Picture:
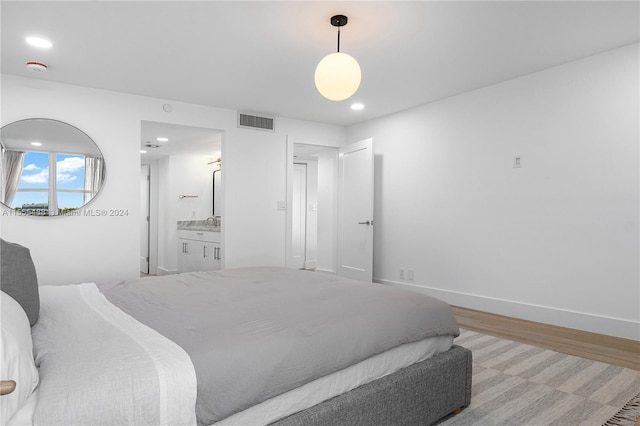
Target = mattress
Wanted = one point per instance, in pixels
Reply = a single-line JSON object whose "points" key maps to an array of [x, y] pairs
{"points": [[255, 334]]}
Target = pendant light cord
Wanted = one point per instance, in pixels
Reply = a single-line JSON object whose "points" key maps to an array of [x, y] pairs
{"points": [[338, 39]]}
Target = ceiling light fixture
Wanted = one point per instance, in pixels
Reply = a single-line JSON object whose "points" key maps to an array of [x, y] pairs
{"points": [[338, 74], [39, 42], [357, 106], [162, 139]]}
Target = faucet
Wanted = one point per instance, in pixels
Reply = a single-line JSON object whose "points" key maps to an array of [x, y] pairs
{"points": [[215, 220]]}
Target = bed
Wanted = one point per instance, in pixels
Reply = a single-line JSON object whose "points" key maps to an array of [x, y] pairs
{"points": [[234, 347]]}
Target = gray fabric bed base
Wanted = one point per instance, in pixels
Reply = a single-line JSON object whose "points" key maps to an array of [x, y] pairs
{"points": [[420, 394]]}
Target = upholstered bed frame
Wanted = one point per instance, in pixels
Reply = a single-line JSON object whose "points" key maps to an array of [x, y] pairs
{"points": [[420, 394]]}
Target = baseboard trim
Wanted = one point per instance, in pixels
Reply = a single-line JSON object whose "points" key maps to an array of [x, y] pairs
{"points": [[616, 327], [164, 271]]}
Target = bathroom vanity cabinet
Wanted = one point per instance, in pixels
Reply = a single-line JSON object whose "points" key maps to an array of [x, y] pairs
{"points": [[199, 251]]}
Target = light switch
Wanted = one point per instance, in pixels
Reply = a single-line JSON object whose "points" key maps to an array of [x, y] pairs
{"points": [[282, 205], [517, 162]]}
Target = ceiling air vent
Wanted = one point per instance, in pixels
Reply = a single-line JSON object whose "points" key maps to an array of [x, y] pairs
{"points": [[251, 121]]}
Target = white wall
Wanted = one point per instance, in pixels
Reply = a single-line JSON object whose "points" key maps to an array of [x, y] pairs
{"points": [[255, 168], [191, 175], [554, 241], [76, 249], [181, 175], [327, 210]]}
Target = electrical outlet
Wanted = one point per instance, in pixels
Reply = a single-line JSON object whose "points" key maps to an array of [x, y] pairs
{"points": [[410, 274], [402, 273]]}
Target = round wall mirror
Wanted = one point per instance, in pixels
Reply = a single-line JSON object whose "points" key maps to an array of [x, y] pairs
{"points": [[48, 168]]}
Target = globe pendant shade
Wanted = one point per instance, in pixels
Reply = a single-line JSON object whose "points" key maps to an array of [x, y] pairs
{"points": [[338, 76]]}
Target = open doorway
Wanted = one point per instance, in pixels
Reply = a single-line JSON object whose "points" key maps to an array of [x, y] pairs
{"points": [[181, 161], [312, 213]]}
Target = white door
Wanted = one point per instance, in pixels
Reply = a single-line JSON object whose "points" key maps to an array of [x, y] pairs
{"points": [[299, 216], [355, 211], [144, 219]]}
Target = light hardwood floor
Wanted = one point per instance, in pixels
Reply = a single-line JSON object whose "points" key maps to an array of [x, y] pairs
{"points": [[612, 350]]}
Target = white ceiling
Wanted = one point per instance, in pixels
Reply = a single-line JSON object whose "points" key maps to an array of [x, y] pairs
{"points": [[261, 56], [182, 140]]}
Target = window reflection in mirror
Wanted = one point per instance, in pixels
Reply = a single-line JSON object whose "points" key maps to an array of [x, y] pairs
{"points": [[48, 167]]}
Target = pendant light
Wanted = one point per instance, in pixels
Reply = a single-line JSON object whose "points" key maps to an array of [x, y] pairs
{"points": [[338, 75]]}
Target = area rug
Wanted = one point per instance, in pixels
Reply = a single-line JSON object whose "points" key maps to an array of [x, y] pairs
{"points": [[518, 384], [628, 415]]}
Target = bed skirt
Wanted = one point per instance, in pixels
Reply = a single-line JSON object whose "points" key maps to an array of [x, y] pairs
{"points": [[420, 394]]}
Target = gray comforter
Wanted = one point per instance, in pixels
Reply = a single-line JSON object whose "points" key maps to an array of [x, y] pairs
{"points": [[254, 333]]}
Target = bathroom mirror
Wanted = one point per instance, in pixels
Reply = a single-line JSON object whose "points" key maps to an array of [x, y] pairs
{"points": [[48, 167]]}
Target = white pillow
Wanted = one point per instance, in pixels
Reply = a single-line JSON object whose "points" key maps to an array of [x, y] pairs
{"points": [[16, 357]]}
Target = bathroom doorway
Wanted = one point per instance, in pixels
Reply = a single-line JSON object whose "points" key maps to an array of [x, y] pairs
{"points": [[181, 161]]}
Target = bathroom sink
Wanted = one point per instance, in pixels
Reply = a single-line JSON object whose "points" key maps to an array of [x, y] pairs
{"points": [[200, 225]]}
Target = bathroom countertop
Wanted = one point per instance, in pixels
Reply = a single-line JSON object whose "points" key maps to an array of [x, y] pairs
{"points": [[199, 225]]}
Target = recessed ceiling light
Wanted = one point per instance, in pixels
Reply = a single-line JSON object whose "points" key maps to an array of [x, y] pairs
{"points": [[357, 106], [142, 151], [39, 42], [162, 139], [36, 144]]}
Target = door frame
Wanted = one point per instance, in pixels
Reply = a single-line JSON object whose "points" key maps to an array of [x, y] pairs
{"points": [[162, 238], [145, 196], [289, 202], [153, 216]]}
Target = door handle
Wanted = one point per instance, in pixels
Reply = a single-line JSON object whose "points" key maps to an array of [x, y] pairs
{"points": [[367, 222]]}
